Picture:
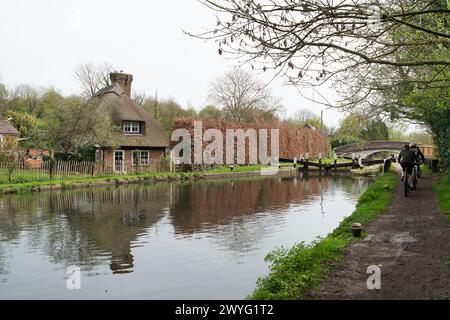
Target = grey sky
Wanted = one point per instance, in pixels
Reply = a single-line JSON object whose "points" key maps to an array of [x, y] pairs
{"points": [[43, 41]]}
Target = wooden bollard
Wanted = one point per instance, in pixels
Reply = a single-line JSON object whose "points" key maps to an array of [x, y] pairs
{"points": [[387, 165], [306, 166]]}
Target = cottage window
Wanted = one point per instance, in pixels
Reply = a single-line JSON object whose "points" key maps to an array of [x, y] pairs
{"points": [[131, 127], [136, 157], [144, 157], [98, 155], [141, 157]]}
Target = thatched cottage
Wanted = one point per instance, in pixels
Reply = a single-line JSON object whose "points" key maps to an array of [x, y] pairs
{"points": [[140, 138]]}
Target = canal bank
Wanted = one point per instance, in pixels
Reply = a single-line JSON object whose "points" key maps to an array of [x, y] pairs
{"points": [[152, 177], [293, 272]]}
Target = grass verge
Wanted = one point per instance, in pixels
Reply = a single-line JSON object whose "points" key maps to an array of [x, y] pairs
{"points": [[236, 168], [295, 271], [442, 190], [67, 183], [70, 181]]}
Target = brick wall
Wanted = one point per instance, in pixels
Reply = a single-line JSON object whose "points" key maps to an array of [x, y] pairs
{"points": [[155, 155]]}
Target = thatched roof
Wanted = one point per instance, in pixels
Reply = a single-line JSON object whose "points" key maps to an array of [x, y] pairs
{"points": [[116, 105], [6, 128]]}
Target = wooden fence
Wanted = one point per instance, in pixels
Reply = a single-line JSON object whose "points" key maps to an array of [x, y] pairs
{"points": [[59, 170], [120, 167]]}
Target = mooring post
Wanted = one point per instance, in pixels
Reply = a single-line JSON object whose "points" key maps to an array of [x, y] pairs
{"points": [[320, 162], [435, 165], [387, 165], [335, 161], [306, 166]]}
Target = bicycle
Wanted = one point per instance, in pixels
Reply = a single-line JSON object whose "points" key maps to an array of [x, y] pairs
{"points": [[414, 177], [406, 183]]}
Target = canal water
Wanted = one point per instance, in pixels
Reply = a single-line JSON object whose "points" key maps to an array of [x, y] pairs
{"points": [[184, 240]]}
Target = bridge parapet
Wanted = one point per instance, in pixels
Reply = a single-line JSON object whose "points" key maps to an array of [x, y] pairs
{"points": [[371, 146], [365, 149]]}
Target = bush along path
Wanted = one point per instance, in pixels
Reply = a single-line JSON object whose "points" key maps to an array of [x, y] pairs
{"points": [[410, 246]]}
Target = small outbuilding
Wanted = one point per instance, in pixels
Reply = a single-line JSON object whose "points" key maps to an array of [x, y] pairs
{"points": [[8, 130]]}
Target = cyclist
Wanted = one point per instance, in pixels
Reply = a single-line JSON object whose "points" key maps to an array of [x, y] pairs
{"points": [[407, 158], [414, 148]]}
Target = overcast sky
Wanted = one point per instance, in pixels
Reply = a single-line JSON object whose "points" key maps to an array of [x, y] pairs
{"points": [[43, 41]]}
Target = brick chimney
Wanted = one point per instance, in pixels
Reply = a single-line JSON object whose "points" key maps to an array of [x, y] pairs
{"points": [[124, 80]]}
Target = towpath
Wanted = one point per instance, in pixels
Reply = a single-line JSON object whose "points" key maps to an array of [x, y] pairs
{"points": [[409, 244]]}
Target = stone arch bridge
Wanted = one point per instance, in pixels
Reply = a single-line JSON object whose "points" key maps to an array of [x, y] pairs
{"points": [[369, 148]]}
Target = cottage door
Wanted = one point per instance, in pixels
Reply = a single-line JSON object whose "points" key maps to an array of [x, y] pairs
{"points": [[119, 161]]}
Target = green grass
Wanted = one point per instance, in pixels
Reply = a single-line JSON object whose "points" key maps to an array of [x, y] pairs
{"points": [[442, 190], [30, 180], [20, 176], [24, 176], [295, 271], [426, 170], [227, 169], [28, 186]]}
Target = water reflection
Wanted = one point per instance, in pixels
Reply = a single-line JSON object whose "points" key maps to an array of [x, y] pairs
{"points": [[98, 227]]}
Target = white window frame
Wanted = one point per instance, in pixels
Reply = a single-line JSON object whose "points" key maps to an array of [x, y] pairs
{"points": [[123, 161], [147, 162], [98, 155], [141, 161], [132, 127]]}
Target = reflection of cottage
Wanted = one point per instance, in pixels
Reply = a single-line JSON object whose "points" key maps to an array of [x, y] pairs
{"points": [[140, 138]]}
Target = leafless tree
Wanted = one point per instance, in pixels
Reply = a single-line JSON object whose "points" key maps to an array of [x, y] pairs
{"points": [[76, 123], [241, 95], [304, 115], [31, 97], [315, 41], [153, 105], [140, 96], [92, 77], [3, 93]]}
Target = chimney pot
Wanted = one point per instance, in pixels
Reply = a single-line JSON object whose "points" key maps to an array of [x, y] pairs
{"points": [[124, 80]]}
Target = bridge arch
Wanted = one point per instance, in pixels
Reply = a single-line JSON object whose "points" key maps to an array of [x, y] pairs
{"points": [[366, 149]]}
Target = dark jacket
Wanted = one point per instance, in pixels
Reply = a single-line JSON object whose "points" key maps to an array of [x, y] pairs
{"points": [[407, 156], [419, 154]]}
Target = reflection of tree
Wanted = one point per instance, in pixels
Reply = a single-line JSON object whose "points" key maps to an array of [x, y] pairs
{"points": [[78, 227], [88, 227], [4, 265], [215, 202], [352, 185], [230, 207]]}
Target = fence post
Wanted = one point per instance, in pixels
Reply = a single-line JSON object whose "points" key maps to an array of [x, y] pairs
{"points": [[51, 164]]}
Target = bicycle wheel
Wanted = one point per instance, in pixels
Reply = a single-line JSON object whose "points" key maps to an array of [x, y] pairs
{"points": [[406, 184]]}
